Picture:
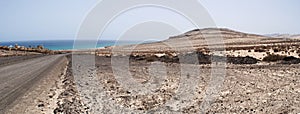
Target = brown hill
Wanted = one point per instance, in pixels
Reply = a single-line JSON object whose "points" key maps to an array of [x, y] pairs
{"points": [[208, 39], [216, 32]]}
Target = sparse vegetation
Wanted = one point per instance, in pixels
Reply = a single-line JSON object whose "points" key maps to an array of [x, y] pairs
{"points": [[242, 60], [273, 58], [276, 50], [259, 50], [38, 49], [196, 58]]}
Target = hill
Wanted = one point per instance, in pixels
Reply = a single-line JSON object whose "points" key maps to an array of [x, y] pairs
{"points": [[211, 39], [292, 36]]}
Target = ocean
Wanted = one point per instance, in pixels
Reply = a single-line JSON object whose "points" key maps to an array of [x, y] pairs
{"points": [[68, 44]]}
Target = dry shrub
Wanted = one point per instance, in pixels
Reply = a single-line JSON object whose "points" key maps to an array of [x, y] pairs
{"points": [[259, 50], [273, 58]]}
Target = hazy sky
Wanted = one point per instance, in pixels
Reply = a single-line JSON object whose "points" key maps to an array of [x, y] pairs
{"points": [[60, 19]]}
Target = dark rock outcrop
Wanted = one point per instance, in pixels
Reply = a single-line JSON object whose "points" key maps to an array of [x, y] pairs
{"points": [[195, 58], [242, 60], [290, 60], [273, 58]]}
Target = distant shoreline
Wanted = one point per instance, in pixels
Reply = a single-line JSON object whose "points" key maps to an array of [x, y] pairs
{"points": [[67, 45]]}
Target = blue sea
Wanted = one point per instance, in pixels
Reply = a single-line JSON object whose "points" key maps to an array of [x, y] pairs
{"points": [[68, 44]]}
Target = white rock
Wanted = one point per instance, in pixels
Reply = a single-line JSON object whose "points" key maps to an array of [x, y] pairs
{"points": [[160, 55]]}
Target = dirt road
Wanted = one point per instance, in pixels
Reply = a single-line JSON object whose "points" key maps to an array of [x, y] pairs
{"points": [[17, 78]]}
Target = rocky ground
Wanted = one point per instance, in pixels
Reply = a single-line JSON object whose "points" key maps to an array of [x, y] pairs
{"points": [[259, 87], [252, 88], [5, 53], [69, 101], [260, 75]]}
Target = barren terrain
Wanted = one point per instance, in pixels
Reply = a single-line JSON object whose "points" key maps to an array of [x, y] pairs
{"points": [[195, 72], [258, 88]]}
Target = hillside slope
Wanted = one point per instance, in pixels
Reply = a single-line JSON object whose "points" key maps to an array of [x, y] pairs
{"points": [[209, 39]]}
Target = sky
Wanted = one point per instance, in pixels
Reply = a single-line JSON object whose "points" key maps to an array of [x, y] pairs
{"points": [[61, 19]]}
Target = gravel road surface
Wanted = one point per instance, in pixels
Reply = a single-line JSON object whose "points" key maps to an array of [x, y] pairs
{"points": [[17, 78]]}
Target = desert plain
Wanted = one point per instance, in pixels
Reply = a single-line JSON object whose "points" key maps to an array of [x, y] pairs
{"points": [[253, 74]]}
